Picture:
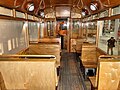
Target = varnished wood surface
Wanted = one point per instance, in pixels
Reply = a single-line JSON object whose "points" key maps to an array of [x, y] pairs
{"points": [[37, 57], [89, 55], [118, 86], [25, 75], [69, 73], [109, 73], [76, 45], [2, 84], [44, 49], [50, 40], [93, 82]]}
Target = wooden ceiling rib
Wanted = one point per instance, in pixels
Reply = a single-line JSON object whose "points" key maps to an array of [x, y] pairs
{"points": [[10, 3], [20, 4]]}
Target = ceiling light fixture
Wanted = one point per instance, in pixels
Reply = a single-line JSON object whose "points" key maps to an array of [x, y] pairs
{"points": [[30, 7], [41, 13], [94, 6], [84, 12]]}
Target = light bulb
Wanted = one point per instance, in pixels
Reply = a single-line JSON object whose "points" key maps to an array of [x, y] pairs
{"points": [[30, 7], [93, 7]]}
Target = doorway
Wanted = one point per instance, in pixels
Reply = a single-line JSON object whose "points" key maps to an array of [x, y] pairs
{"points": [[62, 31]]}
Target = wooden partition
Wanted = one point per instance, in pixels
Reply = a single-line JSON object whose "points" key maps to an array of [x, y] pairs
{"points": [[29, 72]]}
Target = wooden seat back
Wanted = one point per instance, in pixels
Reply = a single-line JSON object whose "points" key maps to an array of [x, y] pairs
{"points": [[28, 72], [90, 54], [49, 40], [76, 45], [44, 49], [108, 73], [79, 43]]}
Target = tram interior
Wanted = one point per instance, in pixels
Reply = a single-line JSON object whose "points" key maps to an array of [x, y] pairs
{"points": [[59, 45]]}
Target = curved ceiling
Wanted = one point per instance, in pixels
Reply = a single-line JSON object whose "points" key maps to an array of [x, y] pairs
{"points": [[20, 5]]}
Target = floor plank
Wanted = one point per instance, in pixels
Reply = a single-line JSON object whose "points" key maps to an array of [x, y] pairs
{"points": [[69, 73]]}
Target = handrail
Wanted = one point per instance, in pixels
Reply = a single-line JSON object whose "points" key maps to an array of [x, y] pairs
{"points": [[109, 57], [28, 56]]}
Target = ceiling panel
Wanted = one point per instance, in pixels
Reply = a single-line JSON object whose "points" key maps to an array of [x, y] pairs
{"points": [[62, 11], [20, 4]]}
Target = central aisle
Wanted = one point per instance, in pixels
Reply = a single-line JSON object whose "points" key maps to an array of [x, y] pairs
{"points": [[69, 73]]}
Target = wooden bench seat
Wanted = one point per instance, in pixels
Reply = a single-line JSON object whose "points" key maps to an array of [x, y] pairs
{"points": [[76, 45], [89, 55], [89, 58], [89, 64], [28, 72], [108, 74], [43, 49], [49, 40]]}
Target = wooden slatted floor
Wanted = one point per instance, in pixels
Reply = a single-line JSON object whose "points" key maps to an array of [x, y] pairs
{"points": [[69, 73]]}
